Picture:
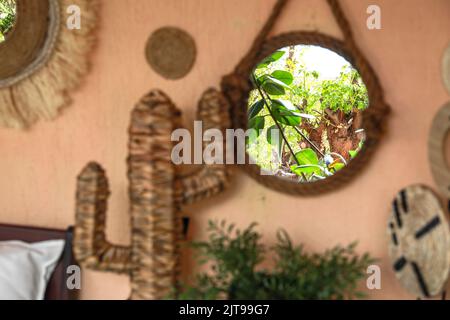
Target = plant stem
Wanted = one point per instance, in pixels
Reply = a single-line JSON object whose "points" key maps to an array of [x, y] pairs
{"points": [[276, 122], [309, 141]]}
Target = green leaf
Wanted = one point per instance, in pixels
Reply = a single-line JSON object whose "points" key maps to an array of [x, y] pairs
{"points": [[353, 153], [337, 166], [282, 112], [255, 109], [272, 134], [286, 117], [307, 169], [284, 104], [286, 108], [273, 88], [307, 157], [283, 76], [272, 58], [277, 55], [257, 123]]}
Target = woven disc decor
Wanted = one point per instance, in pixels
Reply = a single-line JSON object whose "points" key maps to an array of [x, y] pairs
{"points": [[446, 69], [42, 59], [419, 244], [171, 52], [436, 147]]}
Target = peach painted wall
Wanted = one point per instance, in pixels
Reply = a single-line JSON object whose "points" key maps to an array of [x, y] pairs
{"points": [[38, 167]]}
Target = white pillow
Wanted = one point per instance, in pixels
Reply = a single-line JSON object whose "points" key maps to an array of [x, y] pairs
{"points": [[25, 269]]}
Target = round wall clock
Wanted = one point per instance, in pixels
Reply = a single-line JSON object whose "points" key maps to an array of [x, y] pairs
{"points": [[419, 241]]}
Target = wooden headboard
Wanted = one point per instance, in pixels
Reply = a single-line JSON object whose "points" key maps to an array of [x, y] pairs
{"points": [[57, 288]]}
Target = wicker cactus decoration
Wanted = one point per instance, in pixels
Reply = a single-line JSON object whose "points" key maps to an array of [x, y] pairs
{"points": [[157, 192]]}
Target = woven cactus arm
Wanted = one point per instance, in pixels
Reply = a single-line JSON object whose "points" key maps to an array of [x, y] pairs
{"points": [[213, 111], [91, 248]]}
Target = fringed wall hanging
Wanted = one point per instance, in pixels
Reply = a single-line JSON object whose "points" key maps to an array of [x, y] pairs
{"points": [[419, 244], [43, 59], [157, 192], [238, 85]]}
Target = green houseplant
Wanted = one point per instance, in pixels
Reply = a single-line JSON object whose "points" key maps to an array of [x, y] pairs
{"points": [[235, 257]]}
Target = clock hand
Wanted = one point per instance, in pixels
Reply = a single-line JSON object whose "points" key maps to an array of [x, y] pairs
{"points": [[433, 223], [420, 279]]}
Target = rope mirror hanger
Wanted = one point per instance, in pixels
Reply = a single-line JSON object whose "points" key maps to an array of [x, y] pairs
{"points": [[238, 85]]}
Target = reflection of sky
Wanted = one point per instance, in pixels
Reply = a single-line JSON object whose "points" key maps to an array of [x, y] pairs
{"points": [[326, 62]]}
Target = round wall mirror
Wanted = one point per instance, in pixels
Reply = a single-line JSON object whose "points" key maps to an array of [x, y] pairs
{"points": [[28, 39], [313, 111], [305, 113], [7, 18]]}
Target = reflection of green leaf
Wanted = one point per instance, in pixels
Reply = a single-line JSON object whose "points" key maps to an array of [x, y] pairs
{"points": [[353, 153], [255, 109], [286, 104], [257, 123], [306, 157], [286, 117], [308, 169], [286, 108], [273, 87], [272, 134], [337, 166], [283, 76], [275, 138], [284, 112], [272, 58]]}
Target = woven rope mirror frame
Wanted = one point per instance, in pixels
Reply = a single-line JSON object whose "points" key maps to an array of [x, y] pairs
{"points": [[237, 87]]}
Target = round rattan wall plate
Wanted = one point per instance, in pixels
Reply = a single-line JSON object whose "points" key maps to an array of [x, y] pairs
{"points": [[446, 68], [419, 241], [171, 52], [436, 150], [43, 59], [373, 117]]}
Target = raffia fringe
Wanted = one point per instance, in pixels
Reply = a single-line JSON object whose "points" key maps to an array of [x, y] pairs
{"points": [[45, 92]]}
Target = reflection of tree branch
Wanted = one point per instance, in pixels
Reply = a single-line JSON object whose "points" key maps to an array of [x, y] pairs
{"points": [[273, 117], [309, 141]]}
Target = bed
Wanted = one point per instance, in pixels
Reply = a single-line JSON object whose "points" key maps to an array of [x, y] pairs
{"points": [[56, 289]]}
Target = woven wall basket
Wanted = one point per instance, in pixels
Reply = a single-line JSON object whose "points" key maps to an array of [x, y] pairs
{"points": [[237, 87], [42, 59]]}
